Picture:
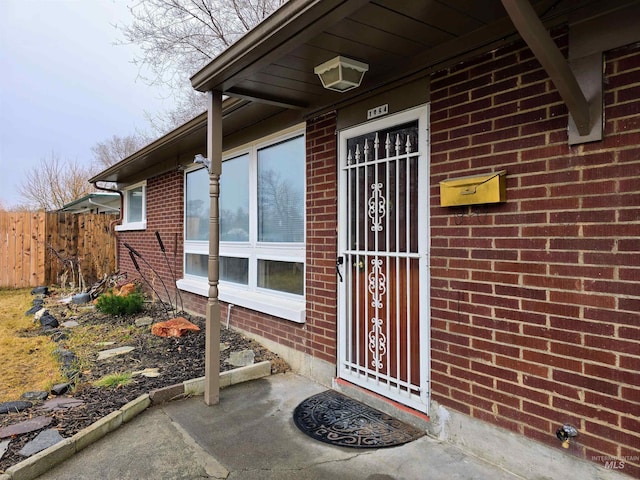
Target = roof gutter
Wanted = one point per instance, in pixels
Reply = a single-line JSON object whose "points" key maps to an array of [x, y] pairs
{"points": [[229, 106], [167, 139], [101, 205], [80, 200], [117, 220]]}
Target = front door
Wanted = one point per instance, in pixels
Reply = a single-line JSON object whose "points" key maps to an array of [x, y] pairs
{"points": [[383, 239]]}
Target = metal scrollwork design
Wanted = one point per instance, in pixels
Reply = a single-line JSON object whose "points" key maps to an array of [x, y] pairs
{"points": [[377, 289], [377, 207]]}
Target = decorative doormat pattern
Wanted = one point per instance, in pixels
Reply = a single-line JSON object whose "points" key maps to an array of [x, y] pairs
{"points": [[339, 420]]}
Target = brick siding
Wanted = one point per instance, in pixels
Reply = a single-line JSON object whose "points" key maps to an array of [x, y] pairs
{"points": [[164, 214], [535, 301]]}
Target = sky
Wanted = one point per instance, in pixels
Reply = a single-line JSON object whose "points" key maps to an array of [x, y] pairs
{"points": [[65, 85]]}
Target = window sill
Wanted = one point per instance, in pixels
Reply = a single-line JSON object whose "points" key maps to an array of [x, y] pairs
{"points": [[292, 310], [125, 227]]}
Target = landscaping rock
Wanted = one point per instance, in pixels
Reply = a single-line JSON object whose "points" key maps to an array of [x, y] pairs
{"points": [[66, 357], [35, 395], [36, 306], [44, 439], [16, 406], [49, 321], [175, 327], [39, 313], [69, 324], [143, 321], [60, 388], [31, 425], [125, 290], [4, 445], [40, 291], [71, 373], [81, 298], [147, 372], [61, 403], [242, 359], [58, 336], [32, 310], [69, 363], [103, 355]]}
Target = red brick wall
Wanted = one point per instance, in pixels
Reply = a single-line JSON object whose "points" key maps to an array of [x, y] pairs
{"points": [[165, 215], [322, 241], [535, 302]]}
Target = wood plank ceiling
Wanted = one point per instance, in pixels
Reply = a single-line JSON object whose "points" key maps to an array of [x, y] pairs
{"points": [[395, 38]]}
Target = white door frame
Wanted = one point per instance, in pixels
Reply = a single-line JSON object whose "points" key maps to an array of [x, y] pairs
{"points": [[419, 402]]}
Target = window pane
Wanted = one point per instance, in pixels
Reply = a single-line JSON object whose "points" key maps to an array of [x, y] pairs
{"points": [[234, 200], [281, 192], [234, 270], [134, 205], [283, 276], [197, 265], [197, 205]]}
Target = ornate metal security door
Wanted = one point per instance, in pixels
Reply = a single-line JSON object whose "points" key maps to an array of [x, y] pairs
{"points": [[383, 344]]}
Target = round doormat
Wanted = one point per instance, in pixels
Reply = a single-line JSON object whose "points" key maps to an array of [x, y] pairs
{"points": [[339, 420]]}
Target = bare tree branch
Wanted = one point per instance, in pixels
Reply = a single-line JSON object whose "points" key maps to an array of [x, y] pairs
{"points": [[54, 182], [178, 37], [114, 149]]}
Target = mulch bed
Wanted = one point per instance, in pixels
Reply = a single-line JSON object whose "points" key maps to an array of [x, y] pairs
{"points": [[178, 359]]}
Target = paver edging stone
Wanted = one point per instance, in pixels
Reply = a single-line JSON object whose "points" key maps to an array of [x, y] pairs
{"points": [[43, 461], [97, 430]]}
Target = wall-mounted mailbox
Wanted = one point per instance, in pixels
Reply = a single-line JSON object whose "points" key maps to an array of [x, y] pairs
{"points": [[474, 189]]}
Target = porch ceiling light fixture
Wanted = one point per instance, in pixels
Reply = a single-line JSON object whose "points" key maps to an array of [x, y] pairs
{"points": [[341, 73]]}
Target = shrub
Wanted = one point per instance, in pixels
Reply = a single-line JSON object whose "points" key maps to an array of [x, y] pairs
{"points": [[120, 305]]}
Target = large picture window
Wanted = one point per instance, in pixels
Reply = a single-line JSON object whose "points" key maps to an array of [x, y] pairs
{"points": [[262, 249]]}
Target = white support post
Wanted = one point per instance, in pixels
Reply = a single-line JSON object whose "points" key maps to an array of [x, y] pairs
{"points": [[212, 347]]}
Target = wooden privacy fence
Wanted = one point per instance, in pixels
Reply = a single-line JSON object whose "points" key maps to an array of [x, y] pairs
{"points": [[68, 249]]}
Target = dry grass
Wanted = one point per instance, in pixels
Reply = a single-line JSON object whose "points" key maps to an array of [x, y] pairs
{"points": [[87, 340], [27, 361]]}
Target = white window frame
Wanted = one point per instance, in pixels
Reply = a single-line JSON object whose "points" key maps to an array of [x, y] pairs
{"points": [[279, 304], [126, 225], [195, 247]]}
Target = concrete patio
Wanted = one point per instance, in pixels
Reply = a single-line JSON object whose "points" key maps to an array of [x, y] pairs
{"points": [[251, 435]]}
